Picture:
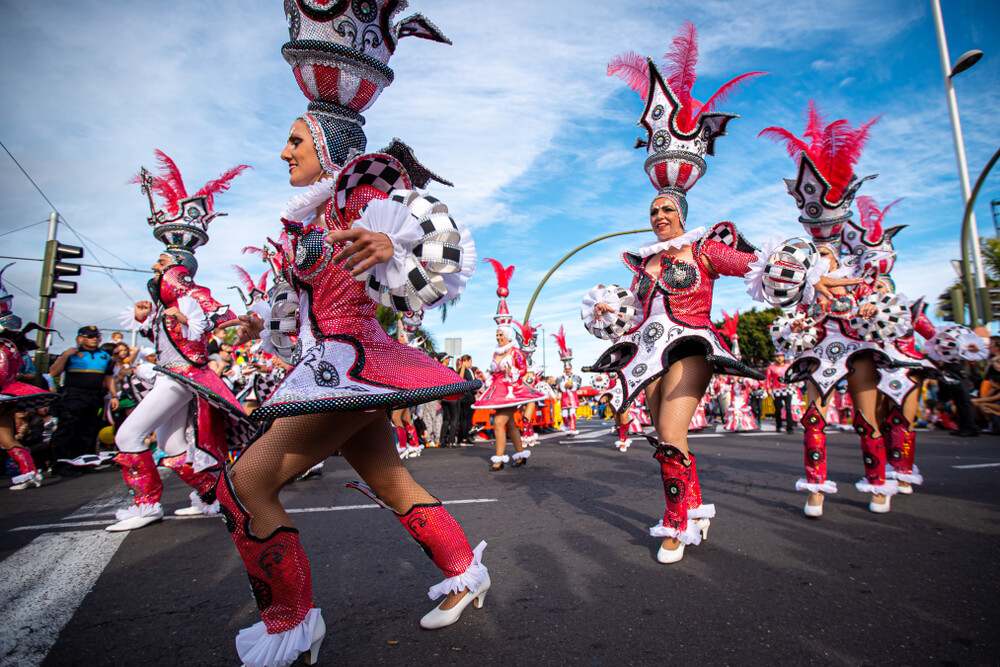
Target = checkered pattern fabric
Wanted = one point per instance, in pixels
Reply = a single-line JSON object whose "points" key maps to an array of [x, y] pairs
{"points": [[381, 172], [786, 272], [613, 325], [891, 321]]}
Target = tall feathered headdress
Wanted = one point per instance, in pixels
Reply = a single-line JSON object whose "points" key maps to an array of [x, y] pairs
{"points": [[527, 338], [826, 183], [503, 317], [680, 130], [870, 242], [565, 354], [182, 225], [249, 290]]}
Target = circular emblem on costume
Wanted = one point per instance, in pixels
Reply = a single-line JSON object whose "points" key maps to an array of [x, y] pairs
{"points": [[292, 14], [657, 112], [677, 277], [871, 461], [896, 454], [835, 350], [227, 517], [653, 332], [895, 385], [674, 490], [366, 10], [814, 455], [809, 188], [851, 236], [813, 210], [326, 374], [829, 372], [811, 418], [639, 370], [261, 592], [661, 140]]}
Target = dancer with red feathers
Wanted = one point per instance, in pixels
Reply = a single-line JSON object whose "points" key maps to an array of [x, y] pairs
{"points": [[507, 390], [666, 346], [568, 384], [527, 337], [179, 321]]}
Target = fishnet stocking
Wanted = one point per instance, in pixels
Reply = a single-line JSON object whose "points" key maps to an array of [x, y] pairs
{"points": [[294, 444], [673, 398], [504, 425], [863, 386]]}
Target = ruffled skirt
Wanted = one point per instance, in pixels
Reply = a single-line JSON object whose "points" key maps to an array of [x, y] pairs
{"points": [[504, 395], [24, 397]]}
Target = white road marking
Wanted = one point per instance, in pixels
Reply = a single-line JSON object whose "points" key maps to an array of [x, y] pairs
{"points": [[571, 439], [296, 510], [43, 584], [103, 505], [978, 465], [704, 435]]}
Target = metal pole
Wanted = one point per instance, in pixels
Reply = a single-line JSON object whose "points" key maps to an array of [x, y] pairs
{"points": [[967, 224], [531, 304], [44, 301], [956, 131]]}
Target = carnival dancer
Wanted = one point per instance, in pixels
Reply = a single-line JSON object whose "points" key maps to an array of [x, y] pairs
{"points": [[698, 419], [780, 392], [527, 337], [567, 384], [667, 346], [179, 321], [739, 416], [358, 236], [507, 391], [17, 396], [845, 336]]}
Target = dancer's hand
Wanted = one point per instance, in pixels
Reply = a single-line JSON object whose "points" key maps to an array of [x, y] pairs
{"points": [[176, 313], [249, 329], [826, 285], [797, 325], [365, 249], [142, 310], [599, 309], [868, 310]]}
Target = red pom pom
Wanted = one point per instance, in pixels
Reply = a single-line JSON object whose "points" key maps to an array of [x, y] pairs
{"points": [[360, 196], [503, 292]]}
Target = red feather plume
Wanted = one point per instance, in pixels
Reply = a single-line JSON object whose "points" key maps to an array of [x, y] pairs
{"points": [[730, 323], [526, 330], [561, 340], [220, 184], [262, 282], [244, 278], [633, 69], [503, 275], [833, 147], [872, 217], [170, 186], [255, 251]]}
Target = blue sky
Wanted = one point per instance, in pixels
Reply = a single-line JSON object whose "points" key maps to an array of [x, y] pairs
{"points": [[519, 113]]}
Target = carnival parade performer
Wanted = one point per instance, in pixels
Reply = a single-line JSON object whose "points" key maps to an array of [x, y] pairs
{"points": [[359, 235], [179, 321], [780, 392], [667, 346], [527, 337], [850, 333], [739, 417], [17, 396], [567, 384], [507, 390]]}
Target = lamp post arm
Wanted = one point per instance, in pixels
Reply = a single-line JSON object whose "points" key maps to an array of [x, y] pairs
{"points": [[531, 304], [966, 229]]}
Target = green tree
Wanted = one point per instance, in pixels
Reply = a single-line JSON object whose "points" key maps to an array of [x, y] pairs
{"points": [[989, 249], [754, 329]]}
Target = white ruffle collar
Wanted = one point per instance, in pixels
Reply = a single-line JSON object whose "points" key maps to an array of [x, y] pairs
{"points": [[502, 349], [677, 242], [302, 207]]}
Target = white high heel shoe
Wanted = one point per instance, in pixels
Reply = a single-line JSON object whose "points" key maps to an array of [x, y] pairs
{"points": [[702, 525], [319, 633], [439, 618], [880, 508], [670, 555]]}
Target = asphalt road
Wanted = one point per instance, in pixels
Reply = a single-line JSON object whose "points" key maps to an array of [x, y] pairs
{"points": [[575, 580]]}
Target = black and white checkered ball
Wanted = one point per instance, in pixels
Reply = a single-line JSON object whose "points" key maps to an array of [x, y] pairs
{"points": [[789, 342], [787, 270], [890, 322], [611, 325]]}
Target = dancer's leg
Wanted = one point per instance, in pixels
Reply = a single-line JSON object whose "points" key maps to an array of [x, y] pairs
{"points": [[27, 474], [863, 387]]}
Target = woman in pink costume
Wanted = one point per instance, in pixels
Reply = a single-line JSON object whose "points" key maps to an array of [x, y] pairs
{"points": [[507, 389], [739, 417], [17, 396], [359, 235]]}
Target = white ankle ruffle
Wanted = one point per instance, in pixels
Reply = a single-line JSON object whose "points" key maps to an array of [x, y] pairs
{"points": [[690, 535], [909, 477], [20, 479], [523, 454], [500, 459], [257, 648], [470, 580], [702, 512], [826, 486], [142, 509], [207, 510], [887, 488]]}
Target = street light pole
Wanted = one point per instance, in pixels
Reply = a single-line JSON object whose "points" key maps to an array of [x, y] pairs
{"points": [[956, 130]]}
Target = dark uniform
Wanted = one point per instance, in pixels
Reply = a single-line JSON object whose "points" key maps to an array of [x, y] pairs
{"points": [[82, 398]]}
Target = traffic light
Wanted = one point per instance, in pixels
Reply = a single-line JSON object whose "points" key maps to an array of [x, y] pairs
{"points": [[53, 269], [953, 305], [992, 305]]}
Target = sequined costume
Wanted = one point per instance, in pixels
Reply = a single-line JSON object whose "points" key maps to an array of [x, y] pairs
{"points": [[507, 389], [738, 416]]}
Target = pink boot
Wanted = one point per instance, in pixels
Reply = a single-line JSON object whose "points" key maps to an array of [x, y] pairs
{"points": [[144, 483], [26, 467]]}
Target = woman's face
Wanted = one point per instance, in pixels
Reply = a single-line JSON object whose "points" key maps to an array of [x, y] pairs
{"points": [[501, 338], [300, 153], [665, 219], [825, 251], [121, 351]]}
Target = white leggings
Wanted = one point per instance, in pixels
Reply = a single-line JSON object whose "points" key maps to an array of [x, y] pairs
{"points": [[165, 410]]}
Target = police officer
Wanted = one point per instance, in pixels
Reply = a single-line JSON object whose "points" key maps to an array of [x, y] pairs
{"points": [[89, 372]]}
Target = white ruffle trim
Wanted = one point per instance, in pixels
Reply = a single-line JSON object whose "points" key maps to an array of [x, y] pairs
{"points": [[754, 277], [302, 207], [128, 322], [500, 459], [690, 535], [262, 309], [684, 239], [433, 254], [20, 479], [470, 580], [142, 509], [827, 486], [888, 488], [956, 344], [702, 512], [909, 477], [523, 454], [197, 324], [257, 648], [207, 510], [144, 371], [625, 311], [816, 272]]}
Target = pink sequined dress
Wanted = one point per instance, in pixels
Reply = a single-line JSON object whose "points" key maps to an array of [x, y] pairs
{"points": [[675, 315], [508, 388], [344, 360], [14, 394], [739, 416]]}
